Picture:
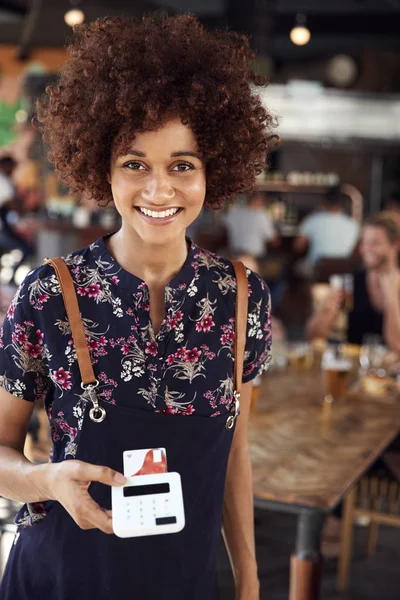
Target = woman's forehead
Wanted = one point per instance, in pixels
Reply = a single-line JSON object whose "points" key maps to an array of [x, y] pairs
{"points": [[172, 136]]}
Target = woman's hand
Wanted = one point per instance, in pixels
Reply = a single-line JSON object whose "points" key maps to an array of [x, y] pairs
{"points": [[331, 307], [68, 483]]}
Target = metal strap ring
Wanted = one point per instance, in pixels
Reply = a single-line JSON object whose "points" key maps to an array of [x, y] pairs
{"points": [[97, 414], [230, 422]]}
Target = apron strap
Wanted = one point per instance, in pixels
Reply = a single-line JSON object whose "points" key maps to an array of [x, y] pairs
{"points": [[242, 296], [79, 336], [75, 319]]}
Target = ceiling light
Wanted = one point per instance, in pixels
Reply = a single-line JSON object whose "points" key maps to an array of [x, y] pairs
{"points": [[300, 34], [74, 17]]}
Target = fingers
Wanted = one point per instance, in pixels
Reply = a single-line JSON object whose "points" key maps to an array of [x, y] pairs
{"points": [[87, 472], [90, 515]]}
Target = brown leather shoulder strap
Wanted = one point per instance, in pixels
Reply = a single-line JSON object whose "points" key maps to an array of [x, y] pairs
{"points": [[242, 299], [74, 317]]}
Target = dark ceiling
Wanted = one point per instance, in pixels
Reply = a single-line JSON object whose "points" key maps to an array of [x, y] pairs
{"points": [[339, 26]]}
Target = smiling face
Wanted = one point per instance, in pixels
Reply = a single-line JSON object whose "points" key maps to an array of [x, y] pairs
{"points": [[159, 184], [376, 249]]}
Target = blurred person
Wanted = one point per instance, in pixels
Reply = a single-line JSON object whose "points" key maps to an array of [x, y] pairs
{"points": [[328, 233], [10, 239], [376, 298], [151, 131], [249, 227]]}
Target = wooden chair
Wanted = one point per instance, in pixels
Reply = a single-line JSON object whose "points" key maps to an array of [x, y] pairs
{"points": [[375, 499]]}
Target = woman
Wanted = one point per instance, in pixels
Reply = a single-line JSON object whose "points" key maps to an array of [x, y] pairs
{"points": [[159, 116], [376, 303]]}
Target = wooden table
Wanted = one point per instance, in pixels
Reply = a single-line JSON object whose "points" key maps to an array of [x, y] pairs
{"points": [[305, 458]]}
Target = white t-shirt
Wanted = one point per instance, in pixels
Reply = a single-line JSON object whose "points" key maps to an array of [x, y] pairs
{"points": [[331, 235], [248, 230], [6, 189]]}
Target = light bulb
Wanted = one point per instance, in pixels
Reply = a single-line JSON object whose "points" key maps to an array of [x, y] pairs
{"points": [[74, 17], [21, 116], [300, 35]]}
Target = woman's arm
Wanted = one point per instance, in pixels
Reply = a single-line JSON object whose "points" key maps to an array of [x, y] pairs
{"points": [[238, 513], [67, 482]]}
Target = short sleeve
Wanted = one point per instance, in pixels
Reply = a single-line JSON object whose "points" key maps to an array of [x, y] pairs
{"points": [[268, 228], [258, 344], [23, 366]]}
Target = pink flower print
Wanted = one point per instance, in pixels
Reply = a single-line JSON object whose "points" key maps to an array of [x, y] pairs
{"points": [[11, 311], [172, 322], [21, 338], [93, 344], [205, 325], [81, 291], [125, 349], [192, 355], [63, 377], [224, 339], [180, 353], [170, 359], [39, 336], [151, 348], [42, 298], [231, 336], [93, 290], [102, 341], [211, 355], [179, 315], [33, 350], [115, 279], [189, 410]]}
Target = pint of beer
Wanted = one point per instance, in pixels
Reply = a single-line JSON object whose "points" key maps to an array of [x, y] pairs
{"points": [[348, 287], [336, 373], [336, 382], [300, 355]]}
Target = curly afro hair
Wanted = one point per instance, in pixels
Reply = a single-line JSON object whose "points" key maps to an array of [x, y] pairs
{"points": [[125, 76]]}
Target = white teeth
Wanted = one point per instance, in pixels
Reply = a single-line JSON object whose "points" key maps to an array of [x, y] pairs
{"points": [[159, 215]]}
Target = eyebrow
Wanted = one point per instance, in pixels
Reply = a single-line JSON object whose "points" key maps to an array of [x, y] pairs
{"points": [[173, 154]]}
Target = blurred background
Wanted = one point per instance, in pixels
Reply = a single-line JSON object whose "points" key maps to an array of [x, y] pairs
{"points": [[334, 85]]}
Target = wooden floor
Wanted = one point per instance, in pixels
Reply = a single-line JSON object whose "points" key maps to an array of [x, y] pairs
{"points": [[376, 578]]}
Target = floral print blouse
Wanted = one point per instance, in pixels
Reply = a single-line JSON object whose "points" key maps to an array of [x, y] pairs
{"points": [[187, 368]]}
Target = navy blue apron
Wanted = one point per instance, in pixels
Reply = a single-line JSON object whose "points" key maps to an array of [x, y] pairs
{"points": [[56, 560]]}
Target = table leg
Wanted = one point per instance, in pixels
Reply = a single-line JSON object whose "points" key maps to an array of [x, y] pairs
{"points": [[305, 564]]}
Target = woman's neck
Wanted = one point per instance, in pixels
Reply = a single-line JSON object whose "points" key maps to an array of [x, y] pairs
{"points": [[156, 264]]}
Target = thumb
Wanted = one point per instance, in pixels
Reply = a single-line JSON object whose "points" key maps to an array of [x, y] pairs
{"points": [[101, 474]]}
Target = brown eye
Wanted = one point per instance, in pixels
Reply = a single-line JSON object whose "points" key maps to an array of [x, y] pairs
{"points": [[133, 165], [183, 167]]}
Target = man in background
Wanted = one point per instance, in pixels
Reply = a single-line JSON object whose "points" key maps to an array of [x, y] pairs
{"points": [[328, 233], [9, 238], [249, 228]]}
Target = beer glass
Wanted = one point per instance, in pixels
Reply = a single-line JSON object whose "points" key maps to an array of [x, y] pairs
{"points": [[337, 370]]}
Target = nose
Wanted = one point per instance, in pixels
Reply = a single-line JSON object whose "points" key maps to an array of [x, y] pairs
{"points": [[158, 188]]}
